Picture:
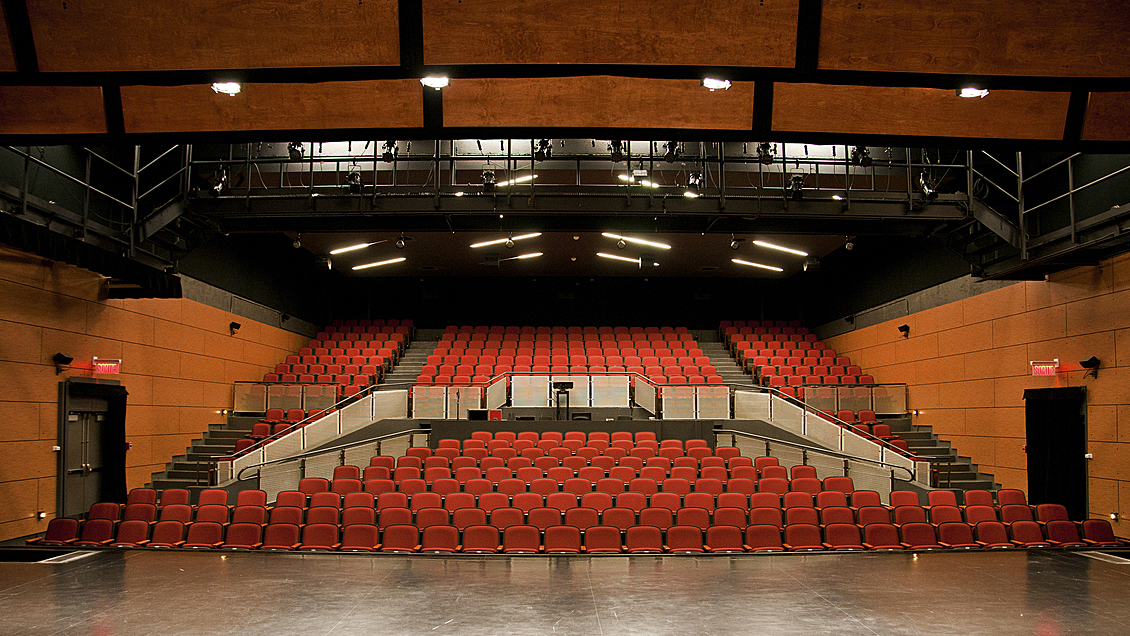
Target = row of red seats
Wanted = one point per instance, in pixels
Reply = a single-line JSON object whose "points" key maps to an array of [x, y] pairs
{"points": [[746, 353], [661, 380], [472, 360], [342, 380], [389, 350], [376, 370], [496, 329], [367, 334]]}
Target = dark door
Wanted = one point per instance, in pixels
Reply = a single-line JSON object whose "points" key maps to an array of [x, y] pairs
{"points": [[1057, 445], [82, 455]]}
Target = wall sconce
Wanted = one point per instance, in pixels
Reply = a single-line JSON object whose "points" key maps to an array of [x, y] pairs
{"points": [[904, 330], [1092, 365], [61, 361], [234, 326]]}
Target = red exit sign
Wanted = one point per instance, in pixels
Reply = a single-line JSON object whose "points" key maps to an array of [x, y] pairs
{"points": [[107, 365], [1045, 368]]}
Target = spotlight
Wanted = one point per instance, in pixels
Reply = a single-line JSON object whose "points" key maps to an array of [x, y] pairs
{"points": [[673, 153], [849, 246], [353, 180], [621, 244], [295, 150], [234, 327], [695, 184], [1092, 364], [904, 330], [509, 243], [929, 189], [765, 153], [735, 243], [488, 181], [616, 150], [61, 360], [221, 182], [861, 156], [400, 243], [388, 151], [796, 187], [543, 151], [297, 241]]}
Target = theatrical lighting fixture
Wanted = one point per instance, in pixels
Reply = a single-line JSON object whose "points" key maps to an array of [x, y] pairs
{"points": [[796, 187], [735, 243], [504, 240], [694, 185], [352, 248], [779, 248], [749, 264], [631, 178], [227, 88], [904, 330], [672, 153], [636, 241], [1092, 366], [61, 360], [971, 91], [861, 156], [295, 150], [379, 263], [765, 153], [488, 181], [353, 180], [297, 241], [811, 264], [400, 242], [614, 257], [522, 179], [716, 84], [848, 245], [616, 150], [929, 190], [234, 327], [388, 151], [543, 150], [521, 257], [435, 82], [320, 263], [221, 182]]}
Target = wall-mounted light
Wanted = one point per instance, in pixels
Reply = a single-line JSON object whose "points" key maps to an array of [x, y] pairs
{"points": [[972, 91], [435, 82], [904, 330], [227, 88], [234, 327], [61, 361], [715, 84], [1092, 365]]}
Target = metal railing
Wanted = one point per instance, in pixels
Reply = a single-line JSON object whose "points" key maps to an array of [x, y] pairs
{"points": [[814, 449], [341, 448]]}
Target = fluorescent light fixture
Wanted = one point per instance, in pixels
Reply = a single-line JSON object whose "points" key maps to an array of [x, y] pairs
{"points": [[525, 256], [662, 246], [747, 263], [227, 88], [779, 248], [351, 248], [644, 182], [690, 195], [503, 240], [619, 258], [379, 263], [716, 84], [529, 177], [435, 82], [971, 91]]}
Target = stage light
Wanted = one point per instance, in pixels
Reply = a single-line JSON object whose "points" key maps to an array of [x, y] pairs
{"points": [[351, 248], [221, 182], [971, 91], [227, 88], [488, 181], [295, 150], [672, 153], [779, 248], [380, 263], [765, 153], [435, 82], [614, 257], [929, 189], [735, 243], [297, 241], [388, 151], [616, 150], [504, 240], [716, 84], [400, 242], [749, 264], [636, 241], [861, 156], [796, 187], [543, 150], [695, 183], [353, 180]]}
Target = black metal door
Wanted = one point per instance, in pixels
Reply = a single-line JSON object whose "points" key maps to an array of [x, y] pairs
{"points": [[1057, 445]]}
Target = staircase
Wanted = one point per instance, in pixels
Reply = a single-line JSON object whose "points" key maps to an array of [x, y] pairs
{"points": [[951, 471], [727, 366], [412, 363], [191, 470]]}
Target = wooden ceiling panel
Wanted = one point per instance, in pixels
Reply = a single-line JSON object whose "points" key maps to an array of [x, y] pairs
{"points": [[325, 106], [51, 110], [7, 53], [718, 32], [596, 102], [142, 35], [1071, 38], [1108, 117], [927, 112]]}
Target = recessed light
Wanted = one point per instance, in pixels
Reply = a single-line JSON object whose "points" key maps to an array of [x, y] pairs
{"points": [[637, 241], [379, 263], [749, 264], [780, 248], [503, 240]]}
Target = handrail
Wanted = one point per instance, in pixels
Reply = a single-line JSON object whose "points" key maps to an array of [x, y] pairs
{"points": [[816, 449], [413, 431]]}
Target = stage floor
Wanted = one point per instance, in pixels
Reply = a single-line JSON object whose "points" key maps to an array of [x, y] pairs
{"points": [[175, 593]]}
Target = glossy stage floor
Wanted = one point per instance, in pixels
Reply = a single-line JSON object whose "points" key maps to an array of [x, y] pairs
{"points": [[174, 593]]}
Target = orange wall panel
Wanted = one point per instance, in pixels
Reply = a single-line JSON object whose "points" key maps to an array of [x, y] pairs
{"points": [[7, 53], [51, 110], [1108, 117]]}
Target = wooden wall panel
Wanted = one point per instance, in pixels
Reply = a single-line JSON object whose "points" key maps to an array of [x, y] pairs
{"points": [[51, 110], [930, 112], [7, 53], [719, 32], [1076, 38], [325, 106], [141, 35], [596, 102], [1108, 117]]}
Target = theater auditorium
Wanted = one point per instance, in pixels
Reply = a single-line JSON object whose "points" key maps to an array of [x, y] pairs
{"points": [[512, 317]]}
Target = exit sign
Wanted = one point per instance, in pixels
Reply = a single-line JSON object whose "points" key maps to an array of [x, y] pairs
{"points": [[1045, 368], [107, 365]]}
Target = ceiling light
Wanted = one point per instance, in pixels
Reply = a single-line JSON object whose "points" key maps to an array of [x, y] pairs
{"points": [[716, 84], [400, 242], [523, 179], [735, 243], [837, 197], [765, 153], [616, 150], [503, 240], [435, 82], [379, 263], [636, 241], [488, 181], [747, 263], [971, 91], [543, 150], [294, 149], [861, 156], [673, 153], [779, 248], [521, 257], [620, 258], [352, 248], [297, 241], [796, 187], [694, 185], [388, 151], [227, 88]]}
